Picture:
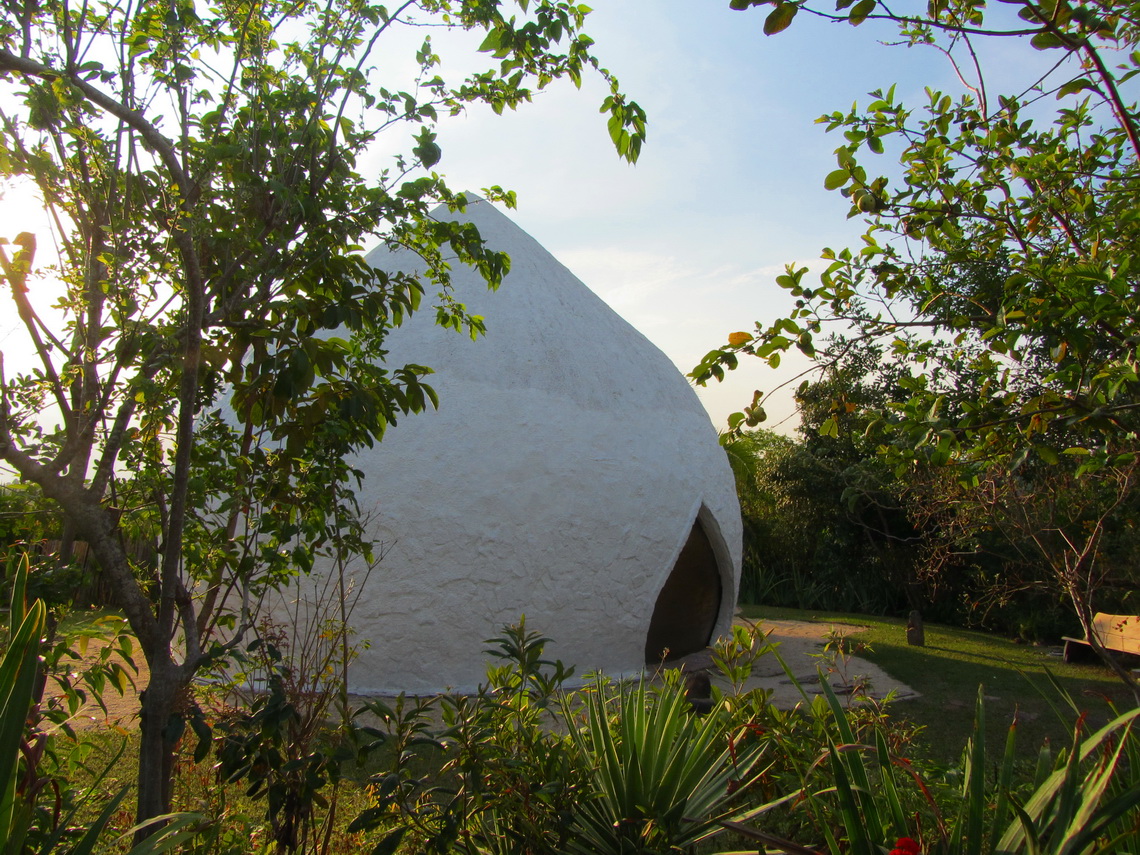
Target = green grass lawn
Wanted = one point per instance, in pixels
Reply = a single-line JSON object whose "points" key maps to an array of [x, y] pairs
{"points": [[954, 662]]}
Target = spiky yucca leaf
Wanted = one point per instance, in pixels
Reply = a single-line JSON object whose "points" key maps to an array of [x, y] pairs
{"points": [[661, 776], [1067, 811]]}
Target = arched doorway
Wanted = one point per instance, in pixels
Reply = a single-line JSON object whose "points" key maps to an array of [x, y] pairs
{"points": [[687, 608]]}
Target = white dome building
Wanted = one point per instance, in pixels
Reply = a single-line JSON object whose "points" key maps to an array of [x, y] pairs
{"points": [[570, 474]]}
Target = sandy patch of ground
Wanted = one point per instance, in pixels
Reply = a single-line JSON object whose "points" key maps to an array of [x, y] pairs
{"points": [[122, 709], [799, 644]]}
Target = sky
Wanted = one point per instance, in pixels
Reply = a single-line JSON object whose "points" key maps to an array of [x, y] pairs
{"points": [[687, 243]]}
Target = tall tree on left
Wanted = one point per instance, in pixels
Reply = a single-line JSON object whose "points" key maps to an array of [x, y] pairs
{"points": [[200, 164]]}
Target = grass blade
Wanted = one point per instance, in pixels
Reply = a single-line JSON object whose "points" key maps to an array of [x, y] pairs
{"points": [[1005, 782], [974, 803]]}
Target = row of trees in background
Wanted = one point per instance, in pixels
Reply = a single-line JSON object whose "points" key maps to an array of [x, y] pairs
{"points": [[997, 286], [830, 524]]}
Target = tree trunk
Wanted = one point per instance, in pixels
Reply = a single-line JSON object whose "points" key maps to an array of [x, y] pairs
{"points": [[160, 729], [168, 680]]}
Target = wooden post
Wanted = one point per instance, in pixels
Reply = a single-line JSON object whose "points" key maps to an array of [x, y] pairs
{"points": [[698, 691], [915, 636]]}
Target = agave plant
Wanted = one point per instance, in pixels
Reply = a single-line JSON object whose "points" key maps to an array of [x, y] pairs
{"points": [[865, 787], [663, 779]]}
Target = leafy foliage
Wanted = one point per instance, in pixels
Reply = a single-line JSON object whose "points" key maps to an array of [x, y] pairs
{"points": [[18, 671], [996, 273], [39, 812], [1080, 801], [508, 782], [526, 766], [1001, 248], [216, 340], [865, 794], [825, 521]]}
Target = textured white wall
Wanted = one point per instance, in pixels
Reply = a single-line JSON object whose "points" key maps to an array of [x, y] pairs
{"points": [[559, 478]]}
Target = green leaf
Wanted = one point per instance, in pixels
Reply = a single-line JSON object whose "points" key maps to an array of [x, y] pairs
{"points": [[427, 151], [756, 415], [836, 179], [390, 842], [780, 18], [1046, 41], [176, 829], [1079, 85], [491, 42], [861, 11], [18, 670]]}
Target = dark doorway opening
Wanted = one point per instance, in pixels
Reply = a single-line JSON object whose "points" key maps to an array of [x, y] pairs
{"points": [[687, 607]]}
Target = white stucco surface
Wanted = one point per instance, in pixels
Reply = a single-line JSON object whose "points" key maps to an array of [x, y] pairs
{"points": [[559, 479]]}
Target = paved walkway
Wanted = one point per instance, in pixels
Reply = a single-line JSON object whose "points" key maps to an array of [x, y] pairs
{"points": [[801, 644]]}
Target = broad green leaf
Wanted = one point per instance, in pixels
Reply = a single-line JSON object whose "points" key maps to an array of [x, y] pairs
{"points": [[861, 10], [780, 18], [836, 179], [1046, 41], [1078, 85]]}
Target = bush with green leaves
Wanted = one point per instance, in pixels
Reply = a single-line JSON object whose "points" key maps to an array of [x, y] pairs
{"points": [[487, 772], [830, 525], [825, 523], [281, 749], [527, 766]]}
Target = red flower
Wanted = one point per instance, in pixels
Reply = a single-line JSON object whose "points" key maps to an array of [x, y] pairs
{"points": [[905, 846]]}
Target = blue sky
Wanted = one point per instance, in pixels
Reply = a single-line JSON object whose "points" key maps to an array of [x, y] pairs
{"points": [[686, 245]]}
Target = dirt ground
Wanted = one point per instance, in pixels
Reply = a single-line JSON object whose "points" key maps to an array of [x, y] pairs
{"points": [[800, 644], [122, 710]]}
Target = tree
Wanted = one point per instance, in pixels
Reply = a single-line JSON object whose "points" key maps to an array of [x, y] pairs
{"points": [[825, 524], [1071, 538], [998, 263], [985, 188], [201, 166]]}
